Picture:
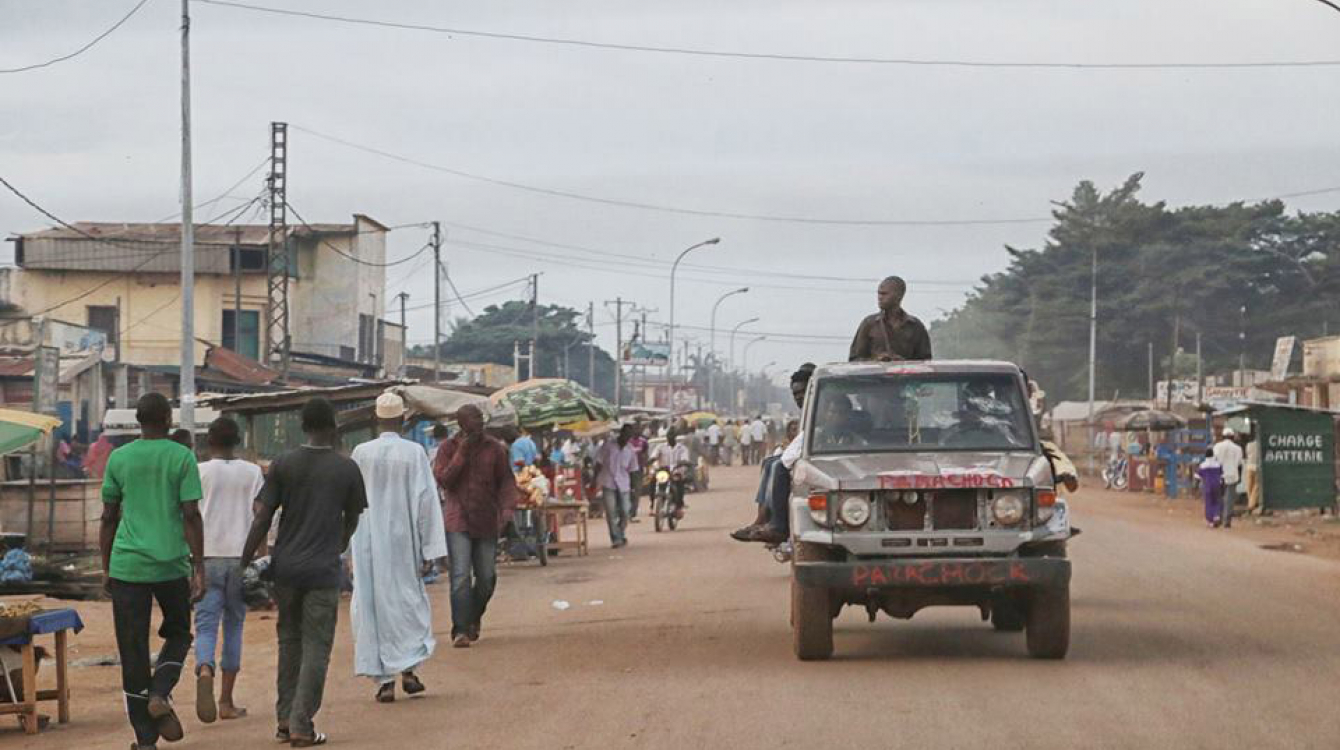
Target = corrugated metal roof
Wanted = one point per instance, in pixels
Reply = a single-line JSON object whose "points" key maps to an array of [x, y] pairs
{"points": [[251, 234], [239, 368]]}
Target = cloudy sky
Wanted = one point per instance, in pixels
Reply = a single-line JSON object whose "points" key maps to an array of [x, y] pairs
{"points": [[96, 138]]}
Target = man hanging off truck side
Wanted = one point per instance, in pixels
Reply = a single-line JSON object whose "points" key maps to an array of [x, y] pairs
{"points": [[891, 334]]}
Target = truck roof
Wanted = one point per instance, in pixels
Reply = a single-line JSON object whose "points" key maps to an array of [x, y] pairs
{"points": [[934, 367]]}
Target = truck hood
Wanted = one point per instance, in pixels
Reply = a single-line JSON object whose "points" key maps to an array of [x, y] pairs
{"points": [[873, 471]]}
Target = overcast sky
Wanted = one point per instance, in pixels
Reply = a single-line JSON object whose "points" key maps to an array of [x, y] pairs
{"points": [[96, 138]]}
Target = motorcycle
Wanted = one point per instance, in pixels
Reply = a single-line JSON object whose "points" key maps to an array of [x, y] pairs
{"points": [[667, 503], [1115, 474]]}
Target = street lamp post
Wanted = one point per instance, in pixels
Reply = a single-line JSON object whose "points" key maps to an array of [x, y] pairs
{"points": [[712, 344], [731, 361], [670, 336], [745, 360]]}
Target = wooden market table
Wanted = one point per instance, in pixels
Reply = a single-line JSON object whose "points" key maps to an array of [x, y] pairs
{"points": [[559, 513], [58, 622]]}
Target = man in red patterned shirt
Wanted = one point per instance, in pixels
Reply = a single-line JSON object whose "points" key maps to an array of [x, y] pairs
{"points": [[478, 496]]}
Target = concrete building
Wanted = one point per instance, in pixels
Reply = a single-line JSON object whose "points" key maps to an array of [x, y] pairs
{"points": [[123, 279]]}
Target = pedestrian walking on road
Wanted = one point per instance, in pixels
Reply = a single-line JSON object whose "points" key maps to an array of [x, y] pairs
{"points": [[615, 462], [1211, 474], [321, 495], [479, 495], [398, 540], [152, 545], [231, 489], [1229, 455], [746, 444], [637, 479]]}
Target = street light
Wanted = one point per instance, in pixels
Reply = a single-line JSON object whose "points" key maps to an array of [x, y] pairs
{"points": [[733, 331], [745, 360], [670, 336], [712, 344]]}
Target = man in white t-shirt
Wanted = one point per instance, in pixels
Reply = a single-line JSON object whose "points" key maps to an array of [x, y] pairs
{"points": [[759, 430], [1229, 455], [231, 487], [746, 444], [714, 443]]}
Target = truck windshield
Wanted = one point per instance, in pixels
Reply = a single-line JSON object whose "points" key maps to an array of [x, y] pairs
{"points": [[961, 412]]}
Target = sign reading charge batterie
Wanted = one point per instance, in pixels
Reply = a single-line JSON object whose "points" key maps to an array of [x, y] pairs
{"points": [[1295, 449]]}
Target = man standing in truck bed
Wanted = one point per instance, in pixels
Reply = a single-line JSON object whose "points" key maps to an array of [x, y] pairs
{"points": [[891, 334]]}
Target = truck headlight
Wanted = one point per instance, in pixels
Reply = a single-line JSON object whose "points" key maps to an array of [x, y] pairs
{"points": [[854, 511], [1008, 509]]}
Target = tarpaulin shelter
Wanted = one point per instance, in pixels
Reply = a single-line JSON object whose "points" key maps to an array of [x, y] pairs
{"points": [[552, 402], [20, 429]]}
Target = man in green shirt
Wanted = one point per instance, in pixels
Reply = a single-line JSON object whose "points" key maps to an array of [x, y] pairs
{"points": [[152, 543]]}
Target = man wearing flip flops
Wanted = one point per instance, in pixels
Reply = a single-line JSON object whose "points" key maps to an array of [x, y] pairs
{"points": [[152, 543]]}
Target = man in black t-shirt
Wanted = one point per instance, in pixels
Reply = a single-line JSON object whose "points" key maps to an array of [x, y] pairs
{"points": [[321, 496]]}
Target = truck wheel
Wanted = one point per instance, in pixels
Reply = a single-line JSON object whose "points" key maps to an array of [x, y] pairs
{"points": [[1048, 623], [811, 611], [1007, 618]]}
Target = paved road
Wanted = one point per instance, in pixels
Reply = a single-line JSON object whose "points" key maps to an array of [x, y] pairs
{"points": [[1183, 638]]}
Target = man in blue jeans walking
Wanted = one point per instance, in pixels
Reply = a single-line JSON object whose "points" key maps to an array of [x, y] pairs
{"points": [[479, 493], [231, 488]]}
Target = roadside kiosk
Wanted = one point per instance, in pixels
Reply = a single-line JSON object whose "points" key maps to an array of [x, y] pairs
{"points": [[1295, 452]]}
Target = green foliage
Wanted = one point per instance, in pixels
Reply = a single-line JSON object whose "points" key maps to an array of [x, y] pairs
{"points": [[489, 337], [1163, 275]]}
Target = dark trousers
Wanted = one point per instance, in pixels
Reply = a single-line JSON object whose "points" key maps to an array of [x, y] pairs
{"points": [[474, 576], [636, 488], [775, 490], [132, 610], [306, 625]]}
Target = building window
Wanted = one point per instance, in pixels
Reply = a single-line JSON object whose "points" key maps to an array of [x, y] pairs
{"points": [[245, 339], [103, 318], [246, 259], [367, 339]]}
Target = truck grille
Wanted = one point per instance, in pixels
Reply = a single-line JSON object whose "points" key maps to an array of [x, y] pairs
{"points": [[948, 510], [954, 509]]}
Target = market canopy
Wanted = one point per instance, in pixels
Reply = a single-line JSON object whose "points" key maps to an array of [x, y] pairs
{"points": [[1152, 419], [701, 418], [550, 402], [442, 403], [20, 429]]}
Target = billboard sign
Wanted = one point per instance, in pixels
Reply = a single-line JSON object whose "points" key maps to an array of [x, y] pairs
{"points": [[655, 354], [1279, 366]]}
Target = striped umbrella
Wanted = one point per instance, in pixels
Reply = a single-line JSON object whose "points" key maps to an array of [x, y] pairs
{"points": [[20, 429], [548, 402]]}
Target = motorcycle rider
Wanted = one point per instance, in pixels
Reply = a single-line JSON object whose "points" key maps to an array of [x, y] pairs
{"points": [[670, 456]]}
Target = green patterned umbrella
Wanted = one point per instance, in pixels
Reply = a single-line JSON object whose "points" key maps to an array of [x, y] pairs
{"points": [[549, 402]]}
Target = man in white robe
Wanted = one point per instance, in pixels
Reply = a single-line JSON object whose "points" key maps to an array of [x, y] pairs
{"points": [[399, 538]]}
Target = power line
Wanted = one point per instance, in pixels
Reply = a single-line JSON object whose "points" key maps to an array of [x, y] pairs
{"points": [[1330, 5], [452, 284], [664, 208], [82, 49], [775, 56], [225, 193], [355, 258]]}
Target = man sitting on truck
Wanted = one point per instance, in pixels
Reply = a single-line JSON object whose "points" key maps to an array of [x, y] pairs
{"points": [[775, 487]]}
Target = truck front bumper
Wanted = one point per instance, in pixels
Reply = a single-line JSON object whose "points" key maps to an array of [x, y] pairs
{"points": [[935, 573]]}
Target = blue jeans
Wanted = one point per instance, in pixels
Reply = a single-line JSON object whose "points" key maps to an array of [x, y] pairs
{"points": [[474, 576], [617, 507], [223, 601]]}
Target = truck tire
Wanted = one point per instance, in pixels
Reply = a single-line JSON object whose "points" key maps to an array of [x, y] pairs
{"points": [[811, 610], [1006, 617], [1048, 623]]}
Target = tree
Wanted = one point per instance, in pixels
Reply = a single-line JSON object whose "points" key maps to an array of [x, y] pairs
{"points": [[491, 335], [1163, 275]]}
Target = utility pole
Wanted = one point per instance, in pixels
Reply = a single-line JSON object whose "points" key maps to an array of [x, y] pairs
{"points": [[1152, 393], [534, 325], [1242, 347], [618, 303], [437, 303], [1200, 374], [404, 334], [1093, 330], [277, 257], [591, 346], [187, 373], [237, 290]]}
